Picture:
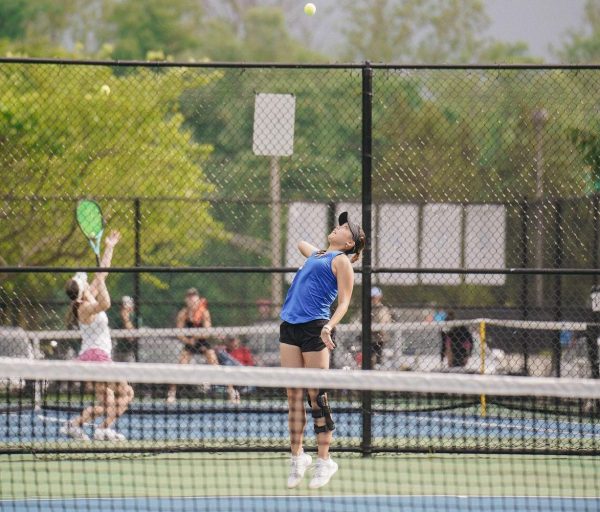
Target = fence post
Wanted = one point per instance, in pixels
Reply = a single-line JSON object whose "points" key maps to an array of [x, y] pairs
{"points": [[137, 263], [275, 194], [558, 257], [596, 230], [594, 331], [367, 140], [524, 214], [592, 335]]}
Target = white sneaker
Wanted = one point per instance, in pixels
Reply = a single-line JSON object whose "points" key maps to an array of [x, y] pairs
{"points": [[324, 470], [234, 396], [298, 466], [74, 432], [108, 434]]}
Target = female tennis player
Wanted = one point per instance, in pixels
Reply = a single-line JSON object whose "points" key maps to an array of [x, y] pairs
{"points": [[89, 303], [307, 336]]}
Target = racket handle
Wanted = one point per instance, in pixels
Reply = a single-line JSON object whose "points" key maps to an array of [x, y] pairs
{"points": [[97, 260]]}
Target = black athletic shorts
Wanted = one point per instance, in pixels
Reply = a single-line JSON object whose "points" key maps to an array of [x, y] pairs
{"points": [[307, 336], [199, 347]]}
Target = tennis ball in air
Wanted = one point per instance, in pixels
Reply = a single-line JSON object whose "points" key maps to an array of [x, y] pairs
{"points": [[105, 89], [310, 9]]}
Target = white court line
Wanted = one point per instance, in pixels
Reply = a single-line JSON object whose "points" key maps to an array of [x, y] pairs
{"points": [[482, 426], [319, 497]]}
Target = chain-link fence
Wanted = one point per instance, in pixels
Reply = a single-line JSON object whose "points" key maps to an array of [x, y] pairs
{"points": [[213, 173]]}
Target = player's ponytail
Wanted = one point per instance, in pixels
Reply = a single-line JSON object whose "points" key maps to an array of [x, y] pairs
{"points": [[358, 247], [73, 292]]}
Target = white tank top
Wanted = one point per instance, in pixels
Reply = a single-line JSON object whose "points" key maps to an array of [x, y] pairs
{"points": [[96, 335]]}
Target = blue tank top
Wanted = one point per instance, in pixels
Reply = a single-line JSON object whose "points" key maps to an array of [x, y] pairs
{"points": [[313, 290]]}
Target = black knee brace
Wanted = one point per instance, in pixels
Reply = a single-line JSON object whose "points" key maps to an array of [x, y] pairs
{"points": [[323, 411]]}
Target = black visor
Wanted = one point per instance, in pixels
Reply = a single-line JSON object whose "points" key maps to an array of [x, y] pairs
{"points": [[354, 229]]}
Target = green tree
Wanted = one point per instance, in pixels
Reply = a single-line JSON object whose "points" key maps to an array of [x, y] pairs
{"points": [[70, 132], [450, 30], [469, 137], [219, 41], [325, 165], [499, 52], [13, 18], [266, 38], [424, 31], [587, 141], [50, 19], [583, 46], [252, 34], [137, 28], [51, 23], [399, 30]]}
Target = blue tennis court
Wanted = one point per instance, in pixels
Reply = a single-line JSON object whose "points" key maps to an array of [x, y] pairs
{"points": [[209, 425]]}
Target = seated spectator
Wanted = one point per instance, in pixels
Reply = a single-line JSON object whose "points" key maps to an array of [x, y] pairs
{"points": [[380, 314], [265, 311], [457, 344], [238, 351], [126, 348]]}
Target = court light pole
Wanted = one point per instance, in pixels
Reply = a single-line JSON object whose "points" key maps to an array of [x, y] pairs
{"points": [[273, 136], [276, 277], [539, 117]]}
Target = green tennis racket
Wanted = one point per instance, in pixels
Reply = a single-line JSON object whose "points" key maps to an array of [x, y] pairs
{"points": [[90, 220]]}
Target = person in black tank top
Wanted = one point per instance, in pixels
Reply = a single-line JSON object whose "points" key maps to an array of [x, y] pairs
{"points": [[196, 315], [200, 345]]}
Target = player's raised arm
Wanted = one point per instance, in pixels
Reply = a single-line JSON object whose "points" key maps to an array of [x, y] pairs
{"points": [[100, 300], [306, 249]]}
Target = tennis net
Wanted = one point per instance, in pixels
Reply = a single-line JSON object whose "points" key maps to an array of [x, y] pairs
{"points": [[403, 440]]}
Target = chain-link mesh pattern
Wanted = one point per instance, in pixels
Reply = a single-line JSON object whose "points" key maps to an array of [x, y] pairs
{"points": [[472, 169]]}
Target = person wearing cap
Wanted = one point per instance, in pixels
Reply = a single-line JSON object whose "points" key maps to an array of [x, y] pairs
{"points": [[126, 348], [307, 335], [240, 352], [457, 343], [195, 314], [89, 303], [380, 314]]}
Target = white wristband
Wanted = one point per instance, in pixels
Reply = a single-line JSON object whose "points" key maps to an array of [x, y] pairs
{"points": [[327, 327]]}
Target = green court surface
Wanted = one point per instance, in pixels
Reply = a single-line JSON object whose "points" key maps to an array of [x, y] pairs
{"points": [[180, 475]]}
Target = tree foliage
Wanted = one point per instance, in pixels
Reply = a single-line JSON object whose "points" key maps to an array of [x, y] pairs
{"points": [[137, 28], [430, 31], [13, 18], [63, 137], [583, 46]]}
